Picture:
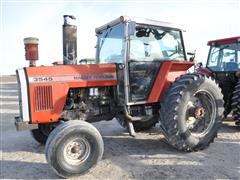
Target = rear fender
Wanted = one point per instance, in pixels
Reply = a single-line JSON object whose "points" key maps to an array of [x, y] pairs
{"points": [[168, 72]]}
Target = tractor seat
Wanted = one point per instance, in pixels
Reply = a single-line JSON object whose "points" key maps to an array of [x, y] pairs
{"points": [[231, 66]]}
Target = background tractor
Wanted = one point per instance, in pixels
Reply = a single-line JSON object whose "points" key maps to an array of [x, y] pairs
{"points": [[140, 78], [223, 64]]}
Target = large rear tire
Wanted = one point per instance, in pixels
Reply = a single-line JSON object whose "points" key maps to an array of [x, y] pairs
{"points": [[73, 148], [192, 112], [236, 103]]}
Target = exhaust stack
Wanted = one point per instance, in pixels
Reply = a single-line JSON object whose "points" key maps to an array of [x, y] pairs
{"points": [[69, 40]]}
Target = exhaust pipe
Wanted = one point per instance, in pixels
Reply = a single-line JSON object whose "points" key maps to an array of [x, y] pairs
{"points": [[69, 40]]}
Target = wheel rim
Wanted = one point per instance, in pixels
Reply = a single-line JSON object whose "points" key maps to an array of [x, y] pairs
{"points": [[201, 113], [77, 151]]}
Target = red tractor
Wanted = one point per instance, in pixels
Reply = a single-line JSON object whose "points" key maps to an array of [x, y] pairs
{"points": [[223, 64], [140, 78]]}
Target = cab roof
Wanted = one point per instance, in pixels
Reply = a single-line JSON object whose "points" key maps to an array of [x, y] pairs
{"points": [[224, 41], [123, 19]]}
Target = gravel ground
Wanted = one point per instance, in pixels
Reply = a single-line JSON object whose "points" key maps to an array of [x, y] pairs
{"points": [[146, 156]]}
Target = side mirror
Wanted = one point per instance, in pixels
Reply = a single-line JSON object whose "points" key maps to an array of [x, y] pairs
{"points": [[192, 55], [199, 65]]}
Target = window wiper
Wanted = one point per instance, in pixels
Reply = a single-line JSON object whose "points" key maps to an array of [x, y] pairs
{"points": [[157, 35], [104, 38]]}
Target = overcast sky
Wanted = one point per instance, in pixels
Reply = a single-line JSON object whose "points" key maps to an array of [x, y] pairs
{"points": [[203, 19]]}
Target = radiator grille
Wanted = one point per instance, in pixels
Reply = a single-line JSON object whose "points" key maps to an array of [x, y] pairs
{"points": [[43, 98]]}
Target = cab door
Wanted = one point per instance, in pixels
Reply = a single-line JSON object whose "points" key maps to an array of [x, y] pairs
{"points": [[142, 75]]}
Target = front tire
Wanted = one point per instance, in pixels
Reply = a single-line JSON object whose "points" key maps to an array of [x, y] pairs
{"points": [[73, 148], [191, 112]]}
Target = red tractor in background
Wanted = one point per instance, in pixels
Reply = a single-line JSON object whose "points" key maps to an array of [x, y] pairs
{"points": [[223, 64], [140, 78]]}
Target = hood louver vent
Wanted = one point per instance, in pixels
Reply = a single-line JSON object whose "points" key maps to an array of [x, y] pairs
{"points": [[43, 98]]}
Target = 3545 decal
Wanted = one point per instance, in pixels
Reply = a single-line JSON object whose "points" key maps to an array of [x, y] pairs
{"points": [[42, 79]]}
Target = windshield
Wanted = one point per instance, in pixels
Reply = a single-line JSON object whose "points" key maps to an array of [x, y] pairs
{"points": [[111, 45], [149, 43], [224, 57]]}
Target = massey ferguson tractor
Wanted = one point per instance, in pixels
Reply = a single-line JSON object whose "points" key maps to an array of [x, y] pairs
{"points": [[140, 78], [223, 64]]}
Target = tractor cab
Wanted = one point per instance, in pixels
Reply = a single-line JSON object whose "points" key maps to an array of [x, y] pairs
{"points": [[224, 65], [224, 58], [139, 47]]}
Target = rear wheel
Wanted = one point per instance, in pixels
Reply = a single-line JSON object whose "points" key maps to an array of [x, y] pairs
{"points": [[192, 111], [41, 134], [73, 148], [236, 103]]}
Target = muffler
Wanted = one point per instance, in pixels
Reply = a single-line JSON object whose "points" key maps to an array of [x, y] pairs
{"points": [[69, 40]]}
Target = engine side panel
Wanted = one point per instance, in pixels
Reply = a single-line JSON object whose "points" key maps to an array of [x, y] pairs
{"points": [[49, 86]]}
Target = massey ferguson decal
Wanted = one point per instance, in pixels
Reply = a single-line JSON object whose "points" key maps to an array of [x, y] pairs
{"points": [[82, 77]]}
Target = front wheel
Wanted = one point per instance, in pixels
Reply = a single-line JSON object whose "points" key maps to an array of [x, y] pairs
{"points": [[191, 113], [73, 148]]}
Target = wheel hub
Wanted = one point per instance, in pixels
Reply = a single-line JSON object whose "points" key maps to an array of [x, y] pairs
{"points": [[199, 112], [74, 150], [77, 151]]}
